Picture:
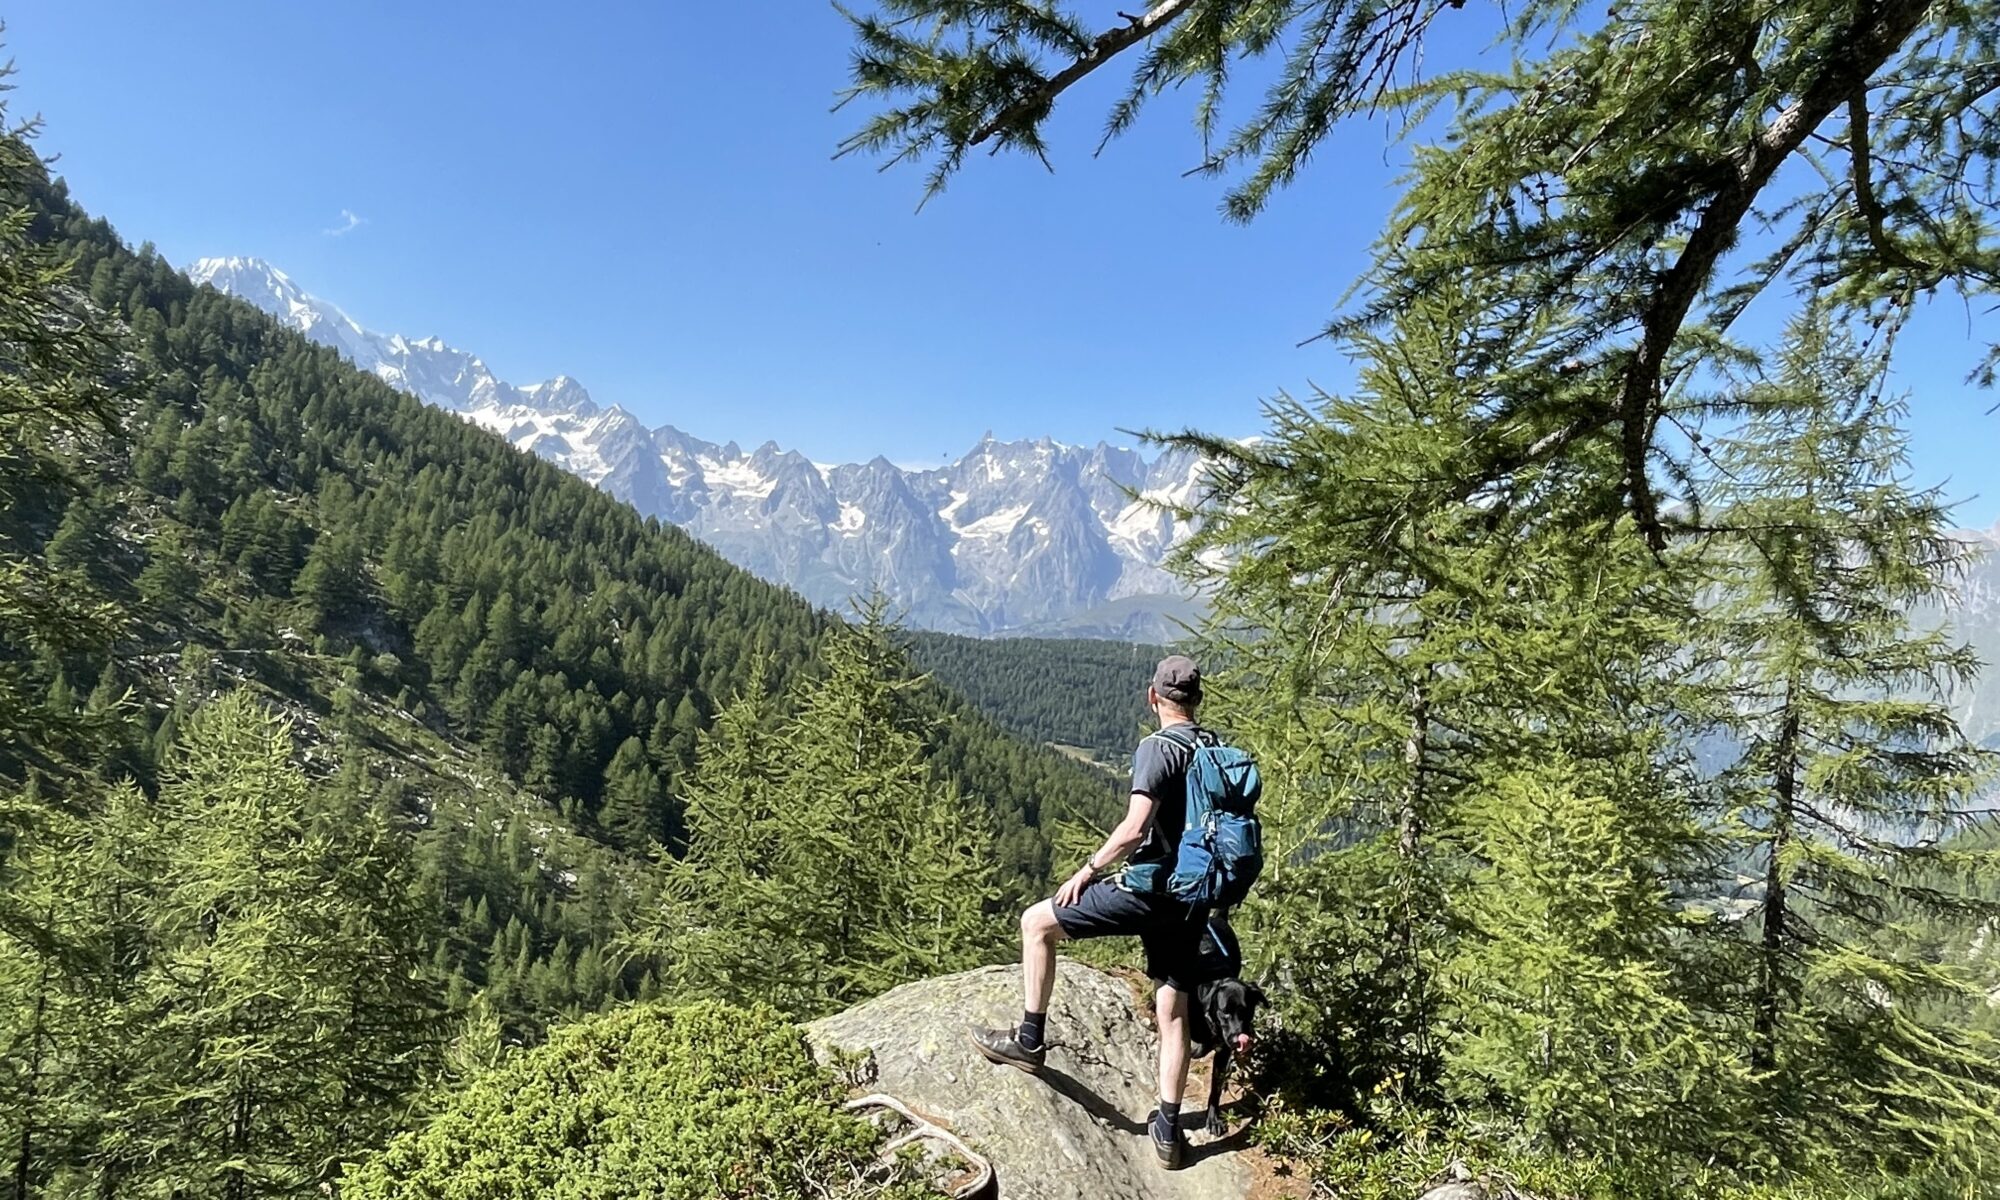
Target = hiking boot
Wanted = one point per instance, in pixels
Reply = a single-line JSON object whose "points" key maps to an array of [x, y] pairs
{"points": [[1004, 1046], [1171, 1149]]}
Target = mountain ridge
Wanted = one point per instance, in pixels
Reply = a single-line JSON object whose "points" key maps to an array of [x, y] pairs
{"points": [[1021, 537]]}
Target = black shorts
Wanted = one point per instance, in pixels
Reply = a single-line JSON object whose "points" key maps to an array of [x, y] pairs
{"points": [[1169, 930]]}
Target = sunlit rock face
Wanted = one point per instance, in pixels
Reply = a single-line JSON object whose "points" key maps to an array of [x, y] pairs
{"points": [[1077, 1128]]}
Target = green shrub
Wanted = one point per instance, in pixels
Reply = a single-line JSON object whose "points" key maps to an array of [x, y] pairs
{"points": [[700, 1101]]}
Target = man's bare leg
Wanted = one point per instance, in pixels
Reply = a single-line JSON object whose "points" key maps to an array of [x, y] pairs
{"points": [[1021, 1045], [1039, 935], [1171, 1005]]}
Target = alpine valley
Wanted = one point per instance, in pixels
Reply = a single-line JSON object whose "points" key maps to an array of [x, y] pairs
{"points": [[1015, 537]]}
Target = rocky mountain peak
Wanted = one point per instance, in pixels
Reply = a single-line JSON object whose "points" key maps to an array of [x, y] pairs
{"points": [[1032, 535], [560, 395]]}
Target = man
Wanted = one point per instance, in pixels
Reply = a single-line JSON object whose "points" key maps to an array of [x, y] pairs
{"points": [[1090, 905]]}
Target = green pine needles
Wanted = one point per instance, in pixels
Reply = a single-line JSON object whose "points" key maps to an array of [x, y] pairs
{"points": [[682, 1103], [1853, 787], [1590, 852], [827, 860], [1620, 183], [227, 990]]}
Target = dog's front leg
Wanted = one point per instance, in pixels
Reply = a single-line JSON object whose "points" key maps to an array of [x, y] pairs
{"points": [[1218, 1075]]}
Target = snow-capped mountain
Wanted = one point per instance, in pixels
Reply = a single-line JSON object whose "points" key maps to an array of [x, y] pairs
{"points": [[1974, 616], [1029, 536]]}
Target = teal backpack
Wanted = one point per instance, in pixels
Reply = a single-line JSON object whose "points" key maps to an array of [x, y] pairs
{"points": [[1222, 846]]}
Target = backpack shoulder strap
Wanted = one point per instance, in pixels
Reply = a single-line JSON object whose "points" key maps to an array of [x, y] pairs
{"points": [[1187, 737]]}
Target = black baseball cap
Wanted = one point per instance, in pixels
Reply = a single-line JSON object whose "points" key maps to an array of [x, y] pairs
{"points": [[1178, 679]]}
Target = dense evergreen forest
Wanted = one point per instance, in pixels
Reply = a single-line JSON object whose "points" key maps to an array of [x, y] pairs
{"points": [[1065, 691], [345, 743]]}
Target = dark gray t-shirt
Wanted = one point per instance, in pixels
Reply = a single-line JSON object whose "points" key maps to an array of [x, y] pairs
{"points": [[1159, 771]]}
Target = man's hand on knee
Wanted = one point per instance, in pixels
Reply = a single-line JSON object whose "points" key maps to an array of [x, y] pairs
{"points": [[1072, 889]]}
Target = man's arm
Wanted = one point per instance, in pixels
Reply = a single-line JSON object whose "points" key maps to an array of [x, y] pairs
{"points": [[1129, 833]]}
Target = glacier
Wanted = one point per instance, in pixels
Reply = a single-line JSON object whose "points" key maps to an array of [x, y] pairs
{"points": [[1015, 537]]}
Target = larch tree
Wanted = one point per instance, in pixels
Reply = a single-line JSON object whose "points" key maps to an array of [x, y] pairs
{"points": [[329, 587], [288, 980], [1852, 779], [1577, 1018], [1631, 179], [61, 399], [634, 814], [827, 859], [67, 1071], [713, 917], [1395, 652]]}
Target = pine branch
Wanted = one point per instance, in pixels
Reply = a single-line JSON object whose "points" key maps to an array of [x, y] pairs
{"points": [[1866, 202], [1103, 48], [1881, 31]]}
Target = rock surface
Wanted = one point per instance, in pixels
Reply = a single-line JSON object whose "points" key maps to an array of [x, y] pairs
{"points": [[1077, 1129]]}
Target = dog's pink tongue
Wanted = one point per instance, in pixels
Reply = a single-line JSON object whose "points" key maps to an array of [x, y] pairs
{"points": [[1242, 1043]]}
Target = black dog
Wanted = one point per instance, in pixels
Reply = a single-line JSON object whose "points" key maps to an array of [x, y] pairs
{"points": [[1225, 1011]]}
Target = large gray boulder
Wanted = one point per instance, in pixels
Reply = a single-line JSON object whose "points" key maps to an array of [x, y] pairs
{"points": [[1077, 1129]]}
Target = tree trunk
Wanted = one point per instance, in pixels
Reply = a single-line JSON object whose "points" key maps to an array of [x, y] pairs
{"points": [[24, 1159], [1410, 822], [1763, 1053], [1409, 847], [237, 1178]]}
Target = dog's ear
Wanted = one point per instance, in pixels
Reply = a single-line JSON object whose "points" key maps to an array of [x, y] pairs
{"points": [[1256, 994]]}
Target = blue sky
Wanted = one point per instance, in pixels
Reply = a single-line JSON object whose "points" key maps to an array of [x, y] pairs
{"points": [[643, 196]]}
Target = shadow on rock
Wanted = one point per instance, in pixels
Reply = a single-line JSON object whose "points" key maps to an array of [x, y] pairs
{"points": [[1097, 1106], [1226, 1144]]}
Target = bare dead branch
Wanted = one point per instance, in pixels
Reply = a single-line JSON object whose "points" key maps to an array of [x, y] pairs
{"points": [[981, 1183]]}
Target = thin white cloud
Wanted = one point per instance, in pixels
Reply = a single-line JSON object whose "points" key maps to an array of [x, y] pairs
{"points": [[348, 224]]}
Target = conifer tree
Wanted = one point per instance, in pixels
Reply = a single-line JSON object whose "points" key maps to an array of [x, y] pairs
{"points": [[1605, 177], [633, 813], [330, 585], [1399, 655], [1852, 777], [715, 909], [59, 399], [67, 1024], [1578, 1017], [825, 861], [83, 540], [289, 978], [544, 763], [168, 581]]}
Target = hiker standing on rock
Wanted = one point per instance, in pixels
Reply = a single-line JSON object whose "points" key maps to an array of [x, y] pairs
{"points": [[1134, 902]]}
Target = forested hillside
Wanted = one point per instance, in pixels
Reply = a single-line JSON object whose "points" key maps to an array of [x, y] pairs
{"points": [[1067, 691], [481, 590], [336, 716]]}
